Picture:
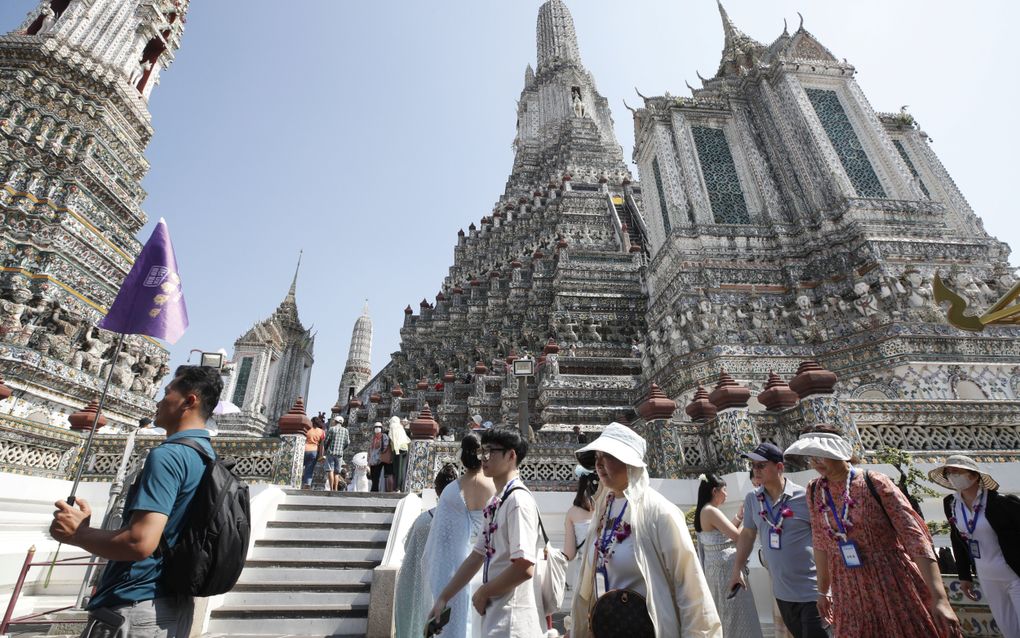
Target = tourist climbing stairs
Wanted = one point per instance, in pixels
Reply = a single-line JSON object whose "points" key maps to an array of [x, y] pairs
{"points": [[311, 572], [633, 230]]}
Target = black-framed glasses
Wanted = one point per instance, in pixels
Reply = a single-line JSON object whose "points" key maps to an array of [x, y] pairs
{"points": [[486, 452]]}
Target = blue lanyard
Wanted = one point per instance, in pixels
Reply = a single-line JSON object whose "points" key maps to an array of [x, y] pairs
{"points": [[832, 505], [606, 540], [774, 520], [971, 525]]}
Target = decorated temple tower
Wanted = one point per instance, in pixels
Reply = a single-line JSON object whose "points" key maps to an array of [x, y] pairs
{"points": [[271, 367], [552, 271], [358, 369], [75, 80], [790, 221]]}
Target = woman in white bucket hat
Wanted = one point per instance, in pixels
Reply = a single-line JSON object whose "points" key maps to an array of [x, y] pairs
{"points": [[638, 548], [981, 524], [871, 549]]}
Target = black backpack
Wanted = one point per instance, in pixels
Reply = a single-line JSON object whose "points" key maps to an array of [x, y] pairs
{"points": [[209, 554]]}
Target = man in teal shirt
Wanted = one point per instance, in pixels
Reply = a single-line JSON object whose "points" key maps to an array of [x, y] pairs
{"points": [[131, 591]]}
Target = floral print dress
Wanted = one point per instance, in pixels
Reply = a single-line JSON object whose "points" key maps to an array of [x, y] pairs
{"points": [[886, 595]]}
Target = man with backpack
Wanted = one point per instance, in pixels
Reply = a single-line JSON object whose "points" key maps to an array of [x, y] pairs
{"points": [[155, 567]]}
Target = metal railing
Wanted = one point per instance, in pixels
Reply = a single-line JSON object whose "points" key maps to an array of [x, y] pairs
{"points": [[19, 585]]}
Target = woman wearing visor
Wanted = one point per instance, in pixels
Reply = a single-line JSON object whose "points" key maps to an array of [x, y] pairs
{"points": [[640, 574], [877, 572]]}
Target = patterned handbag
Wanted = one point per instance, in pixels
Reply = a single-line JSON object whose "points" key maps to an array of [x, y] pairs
{"points": [[621, 612]]}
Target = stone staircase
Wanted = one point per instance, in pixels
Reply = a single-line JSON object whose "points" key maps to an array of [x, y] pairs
{"points": [[311, 573]]}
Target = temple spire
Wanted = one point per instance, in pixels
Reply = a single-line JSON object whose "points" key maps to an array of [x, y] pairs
{"points": [[557, 40], [738, 47], [292, 293]]}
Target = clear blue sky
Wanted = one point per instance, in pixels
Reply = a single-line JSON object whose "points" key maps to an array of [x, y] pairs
{"points": [[367, 133]]}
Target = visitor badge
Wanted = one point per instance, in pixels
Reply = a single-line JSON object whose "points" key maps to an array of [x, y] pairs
{"points": [[851, 557], [975, 549], [774, 540]]}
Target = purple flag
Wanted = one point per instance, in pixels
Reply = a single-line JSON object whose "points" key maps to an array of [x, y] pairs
{"points": [[151, 301]]}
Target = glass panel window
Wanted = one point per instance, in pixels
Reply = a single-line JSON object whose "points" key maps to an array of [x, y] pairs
{"points": [[913, 170], [663, 207], [721, 181], [242, 381], [844, 140]]}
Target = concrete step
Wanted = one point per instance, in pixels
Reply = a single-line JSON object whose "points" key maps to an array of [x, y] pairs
{"points": [[394, 496], [294, 597], [327, 542], [313, 564], [262, 625], [314, 553], [306, 575], [331, 516], [341, 506], [319, 533], [326, 501], [352, 525]]}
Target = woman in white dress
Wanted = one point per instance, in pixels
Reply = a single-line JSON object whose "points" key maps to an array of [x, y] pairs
{"points": [[578, 520], [717, 536], [410, 615], [455, 529]]}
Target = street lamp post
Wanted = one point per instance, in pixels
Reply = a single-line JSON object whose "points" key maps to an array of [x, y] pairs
{"points": [[523, 368]]}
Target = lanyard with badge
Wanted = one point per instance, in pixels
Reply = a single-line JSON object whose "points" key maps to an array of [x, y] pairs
{"points": [[609, 535], [970, 524], [489, 527], [848, 548], [775, 520]]}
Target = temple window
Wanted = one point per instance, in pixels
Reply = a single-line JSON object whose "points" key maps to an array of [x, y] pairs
{"points": [[663, 207], [242, 381], [910, 165], [845, 142], [720, 173]]}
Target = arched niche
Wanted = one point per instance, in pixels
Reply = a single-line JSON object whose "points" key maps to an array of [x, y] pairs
{"points": [[967, 390], [57, 6], [150, 58]]}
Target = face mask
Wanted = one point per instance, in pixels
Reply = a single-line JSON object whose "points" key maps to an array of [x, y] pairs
{"points": [[960, 482], [378, 430]]}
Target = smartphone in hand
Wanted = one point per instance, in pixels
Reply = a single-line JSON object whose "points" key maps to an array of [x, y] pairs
{"points": [[734, 591], [435, 625]]}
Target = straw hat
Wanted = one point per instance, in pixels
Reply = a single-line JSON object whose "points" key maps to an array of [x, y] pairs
{"points": [[618, 441], [821, 444], [960, 461]]}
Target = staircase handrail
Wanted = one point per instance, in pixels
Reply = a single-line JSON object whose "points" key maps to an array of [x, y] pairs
{"points": [[635, 215], [618, 224]]}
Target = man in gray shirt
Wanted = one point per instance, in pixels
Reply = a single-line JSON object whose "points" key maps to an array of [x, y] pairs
{"points": [[777, 515]]}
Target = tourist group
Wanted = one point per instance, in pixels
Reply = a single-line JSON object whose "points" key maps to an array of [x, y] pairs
{"points": [[847, 555]]}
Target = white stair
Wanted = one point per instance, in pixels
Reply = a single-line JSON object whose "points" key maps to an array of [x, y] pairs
{"points": [[311, 573]]}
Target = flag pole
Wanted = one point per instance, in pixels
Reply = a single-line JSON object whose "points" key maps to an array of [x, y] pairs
{"points": [[88, 447], [95, 420]]}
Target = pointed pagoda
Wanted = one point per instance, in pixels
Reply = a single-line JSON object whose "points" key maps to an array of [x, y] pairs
{"points": [[553, 271], [358, 369], [75, 81], [271, 368]]}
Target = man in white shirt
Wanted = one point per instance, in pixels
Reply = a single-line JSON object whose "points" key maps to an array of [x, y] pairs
{"points": [[507, 549]]}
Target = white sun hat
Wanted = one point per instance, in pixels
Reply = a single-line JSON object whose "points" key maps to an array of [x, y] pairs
{"points": [[618, 441], [821, 444], [962, 462]]}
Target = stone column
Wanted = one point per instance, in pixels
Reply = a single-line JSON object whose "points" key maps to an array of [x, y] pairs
{"points": [[819, 406], [734, 430], [664, 456], [423, 433]]}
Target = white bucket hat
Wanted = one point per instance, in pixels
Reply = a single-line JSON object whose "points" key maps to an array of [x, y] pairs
{"points": [[618, 441], [822, 444], [960, 461]]}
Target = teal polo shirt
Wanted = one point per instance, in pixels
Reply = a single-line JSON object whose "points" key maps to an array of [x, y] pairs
{"points": [[167, 485]]}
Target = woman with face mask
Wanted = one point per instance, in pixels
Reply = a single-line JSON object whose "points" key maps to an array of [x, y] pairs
{"points": [[981, 523], [877, 573]]}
